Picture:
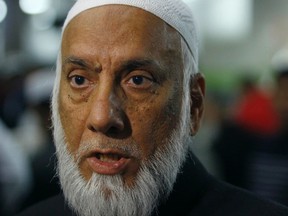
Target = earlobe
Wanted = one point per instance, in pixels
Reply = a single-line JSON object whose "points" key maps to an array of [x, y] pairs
{"points": [[197, 93]]}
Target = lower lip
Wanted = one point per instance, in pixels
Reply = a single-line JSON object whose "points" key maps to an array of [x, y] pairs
{"points": [[108, 168]]}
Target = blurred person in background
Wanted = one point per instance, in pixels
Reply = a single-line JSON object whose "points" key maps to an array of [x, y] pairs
{"points": [[15, 170], [268, 170], [26, 150], [15, 173], [251, 118], [253, 147], [34, 129], [127, 100]]}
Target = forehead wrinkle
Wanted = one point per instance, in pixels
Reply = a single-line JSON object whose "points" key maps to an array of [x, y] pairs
{"points": [[82, 63]]}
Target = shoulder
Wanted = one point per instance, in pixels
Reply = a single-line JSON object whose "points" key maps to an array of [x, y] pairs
{"points": [[53, 206], [197, 193], [224, 199]]}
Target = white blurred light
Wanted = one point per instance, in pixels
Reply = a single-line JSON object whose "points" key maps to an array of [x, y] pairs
{"points": [[34, 6], [3, 10], [189, 1], [44, 20], [229, 19]]}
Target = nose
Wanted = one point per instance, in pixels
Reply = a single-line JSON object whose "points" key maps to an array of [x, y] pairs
{"points": [[105, 115]]}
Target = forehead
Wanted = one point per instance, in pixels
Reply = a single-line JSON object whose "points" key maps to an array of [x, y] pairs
{"points": [[112, 25]]}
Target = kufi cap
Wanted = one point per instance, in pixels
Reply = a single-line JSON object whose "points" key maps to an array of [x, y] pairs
{"points": [[174, 12]]}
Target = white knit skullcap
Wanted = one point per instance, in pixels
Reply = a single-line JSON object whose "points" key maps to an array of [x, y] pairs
{"points": [[174, 12]]}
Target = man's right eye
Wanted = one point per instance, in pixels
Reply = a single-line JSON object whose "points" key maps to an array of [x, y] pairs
{"points": [[79, 81]]}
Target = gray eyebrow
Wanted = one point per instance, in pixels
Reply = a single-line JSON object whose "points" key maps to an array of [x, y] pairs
{"points": [[82, 63], [135, 64], [76, 61]]}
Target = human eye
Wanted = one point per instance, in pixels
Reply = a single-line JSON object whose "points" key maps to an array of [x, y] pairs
{"points": [[78, 81], [140, 81]]}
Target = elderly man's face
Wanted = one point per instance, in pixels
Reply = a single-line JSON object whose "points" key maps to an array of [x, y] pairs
{"points": [[120, 90]]}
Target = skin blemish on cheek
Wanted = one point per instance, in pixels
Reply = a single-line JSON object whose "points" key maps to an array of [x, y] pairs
{"points": [[84, 97], [154, 92], [70, 98]]}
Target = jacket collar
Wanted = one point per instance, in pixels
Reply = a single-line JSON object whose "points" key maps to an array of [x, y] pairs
{"points": [[190, 186]]}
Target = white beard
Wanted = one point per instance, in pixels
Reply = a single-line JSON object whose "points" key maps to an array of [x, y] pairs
{"points": [[153, 182]]}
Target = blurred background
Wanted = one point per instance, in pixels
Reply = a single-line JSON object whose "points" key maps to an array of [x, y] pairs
{"points": [[243, 54]]}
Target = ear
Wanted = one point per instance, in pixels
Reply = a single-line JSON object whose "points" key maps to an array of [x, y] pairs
{"points": [[197, 93]]}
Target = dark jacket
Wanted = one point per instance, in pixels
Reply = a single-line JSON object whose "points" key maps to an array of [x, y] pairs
{"points": [[195, 193]]}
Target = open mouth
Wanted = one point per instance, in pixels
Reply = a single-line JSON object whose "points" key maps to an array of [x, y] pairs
{"points": [[108, 162], [108, 157]]}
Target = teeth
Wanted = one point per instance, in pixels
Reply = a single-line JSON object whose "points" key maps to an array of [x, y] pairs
{"points": [[108, 157]]}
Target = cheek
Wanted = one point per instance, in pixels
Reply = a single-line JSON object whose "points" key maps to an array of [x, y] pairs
{"points": [[166, 121], [152, 123], [72, 119]]}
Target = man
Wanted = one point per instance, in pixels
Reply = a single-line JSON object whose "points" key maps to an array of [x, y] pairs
{"points": [[127, 100]]}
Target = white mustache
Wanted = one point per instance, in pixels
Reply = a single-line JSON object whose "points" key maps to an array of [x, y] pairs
{"points": [[129, 148]]}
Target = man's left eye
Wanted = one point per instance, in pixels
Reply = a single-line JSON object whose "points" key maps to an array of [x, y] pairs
{"points": [[140, 82]]}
